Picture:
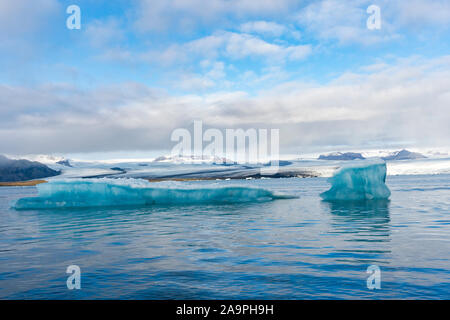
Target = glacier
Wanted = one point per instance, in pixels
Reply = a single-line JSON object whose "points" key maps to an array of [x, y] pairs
{"points": [[74, 193], [362, 180]]}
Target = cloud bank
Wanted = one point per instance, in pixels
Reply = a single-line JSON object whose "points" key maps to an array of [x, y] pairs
{"points": [[404, 101]]}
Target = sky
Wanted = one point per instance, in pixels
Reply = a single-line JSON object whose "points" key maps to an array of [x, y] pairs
{"points": [[137, 70]]}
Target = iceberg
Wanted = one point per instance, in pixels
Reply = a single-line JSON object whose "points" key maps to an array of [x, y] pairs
{"points": [[363, 180], [78, 193]]}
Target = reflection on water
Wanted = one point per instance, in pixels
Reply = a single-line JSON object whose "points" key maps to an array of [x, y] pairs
{"points": [[364, 231], [367, 218]]}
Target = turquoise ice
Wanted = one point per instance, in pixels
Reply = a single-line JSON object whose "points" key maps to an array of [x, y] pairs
{"points": [[73, 193], [361, 180]]}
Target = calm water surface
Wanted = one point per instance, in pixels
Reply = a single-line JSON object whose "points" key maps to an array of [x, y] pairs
{"points": [[285, 249]]}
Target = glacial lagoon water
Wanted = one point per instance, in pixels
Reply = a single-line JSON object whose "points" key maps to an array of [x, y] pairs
{"points": [[300, 248]]}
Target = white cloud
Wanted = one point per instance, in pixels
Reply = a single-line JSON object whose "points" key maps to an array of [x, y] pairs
{"points": [[217, 71], [241, 45], [270, 29], [230, 45], [213, 77], [263, 27], [194, 83], [298, 52]]}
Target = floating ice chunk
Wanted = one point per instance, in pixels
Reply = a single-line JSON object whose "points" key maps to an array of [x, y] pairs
{"points": [[362, 180], [72, 193]]}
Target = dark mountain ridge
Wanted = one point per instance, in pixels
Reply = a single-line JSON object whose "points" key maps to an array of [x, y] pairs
{"points": [[22, 170]]}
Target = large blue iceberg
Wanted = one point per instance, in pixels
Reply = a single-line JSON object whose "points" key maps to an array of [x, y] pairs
{"points": [[73, 193], [362, 180]]}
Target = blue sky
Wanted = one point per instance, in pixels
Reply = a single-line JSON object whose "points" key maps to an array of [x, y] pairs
{"points": [[136, 70]]}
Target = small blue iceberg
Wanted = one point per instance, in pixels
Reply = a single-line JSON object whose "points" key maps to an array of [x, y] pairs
{"points": [[362, 180], [77, 193]]}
